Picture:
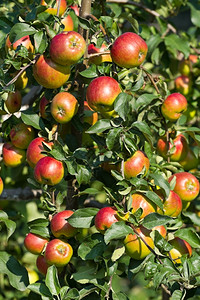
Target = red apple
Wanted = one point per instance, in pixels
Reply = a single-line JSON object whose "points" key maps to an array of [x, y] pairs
{"points": [[34, 150], [13, 156], [97, 60], [50, 74], [180, 145], [24, 41], [42, 107], [161, 229], [60, 226], [92, 118], [129, 50], [140, 201], [105, 217], [35, 243], [21, 135], [173, 106], [68, 23], [14, 101], [75, 9], [190, 161], [136, 164], [58, 253], [1, 186], [53, 10], [187, 186], [172, 206], [42, 264], [102, 92], [183, 84], [66, 48], [180, 247]]}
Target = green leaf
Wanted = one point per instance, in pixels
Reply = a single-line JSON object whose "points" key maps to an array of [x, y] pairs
{"points": [[91, 72], [100, 126], [83, 217], [84, 23], [52, 281], [83, 174], [19, 30], [32, 119], [72, 294], [161, 243], [190, 236], [155, 219], [192, 216], [144, 100], [112, 137], [177, 295], [195, 15], [88, 274], [161, 182], [10, 225], [92, 247], [153, 42], [118, 252], [175, 43], [58, 153], [40, 42], [41, 289], [40, 227], [117, 230], [154, 198], [122, 105]]}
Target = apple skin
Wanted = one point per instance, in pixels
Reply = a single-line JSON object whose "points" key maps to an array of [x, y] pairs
{"points": [[35, 243], [1, 186], [13, 156], [33, 153], [185, 66], [75, 9], [64, 106], [172, 206], [68, 23], [102, 92], [21, 81], [21, 135], [42, 107], [180, 144], [161, 229], [129, 50], [190, 161], [97, 60], [42, 265], [58, 253], [32, 276], [183, 84], [50, 74], [53, 10], [60, 226], [187, 186], [135, 164], [24, 41], [180, 247], [135, 247], [139, 200], [14, 101], [105, 217], [66, 48], [173, 106], [91, 120]]}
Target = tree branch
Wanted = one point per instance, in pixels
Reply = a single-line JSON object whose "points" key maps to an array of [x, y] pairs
{"points": [[151, 79]]}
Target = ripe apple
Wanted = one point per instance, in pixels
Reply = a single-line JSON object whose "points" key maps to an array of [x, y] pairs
{"points": [[60, 226], [180, 247], [136, 164], [172, 206], [92, 118], [97, 60], [53, 10], [102, 92], [42, 264], [180, 145], [58, 253], [173, 106], [13, 156], [14, 101], [129, 50], [161, 229], [21, 81], [105, 217], [35, 243], [34, 150], [42, 107], [183, 84], [68, 23], [190, 161], [50, 74], [187, 186], [185, 66], [1, 186], [66, 48], [75, 9], [21, 135], [135, 247], [64, 106], [24, 41], [49, 170], [140, 201]]}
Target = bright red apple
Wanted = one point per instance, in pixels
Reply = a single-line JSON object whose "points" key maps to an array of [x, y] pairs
{"points": [[183, 84], [190, 161], [105, 217], [97, 60], [58, 253], [140, 201], [173, 106], [35, 243], [53, 9], [21, 135], [180, 247], [60, 226], [172, 206], [68, 23], [13, 156], [14, 101], [42, 107], [136, 164], [42, 264]]}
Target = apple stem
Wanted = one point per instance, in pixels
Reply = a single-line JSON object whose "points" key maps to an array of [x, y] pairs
{"points": [[151, 79]]}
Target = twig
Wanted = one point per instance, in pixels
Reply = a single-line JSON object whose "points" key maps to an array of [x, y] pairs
{"points": [[151, 79], [109, 289], [101, 27]]}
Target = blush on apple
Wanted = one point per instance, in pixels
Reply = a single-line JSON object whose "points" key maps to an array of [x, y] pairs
{"points": [[24, 41], [68, 23], [14, 101], [35, 243], [97, 60], [58, 253], [21, 135], [172, 205], [60, 226], [183, 84], [105, 217], [136, 164], [13, 156], [161, 229], [173, 106], [140, 201], [180, 247], [42, 107], [53, 10], [42, 264]]}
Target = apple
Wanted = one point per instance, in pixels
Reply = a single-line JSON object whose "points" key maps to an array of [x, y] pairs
{"points": [[190, 113], [49, 170], [185, 66], [66, 48], [32, 276], [140, 201], [97, 60], [172, 205], [179, 144], [35, 243], [102, 92], [161, 229], [24, 41], [92, 118], [34, 150], [190, 161], [60, 226], [58, 253], [105, 217], [129, 50], [1, 186], [53, 10], [136, 164], [50, 74], [13, 101], [21, 135], [42, 264], [183, 84], [180, 247], [75, 9], [13, 156], [173, 106], [135, 247], [42, 107], [21, 81], [68, 23], [187, 185]]}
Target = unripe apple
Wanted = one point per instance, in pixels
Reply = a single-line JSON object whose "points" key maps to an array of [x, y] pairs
{"points": [[42, 107], [13, 156], [140, 201], [161, 229], [24, 41], [34, 150], [173, 106], [179, 144], [32, 276], [190, 113], [68, 23], [187, 186], [1, 186], [180, 247], [53, 10], [172, 206], [49, 170], [185, 66], [50, 74], [58, 253], [190, 161], [42, 264], [102, 92], [135, 247], [129, 50], [136, 164], [21, 81], [35, 243], [21, 135], [64, 106], [183, 84], [60, 226], [97, 60], [105, 217], [14, 101], [66, 48]]}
